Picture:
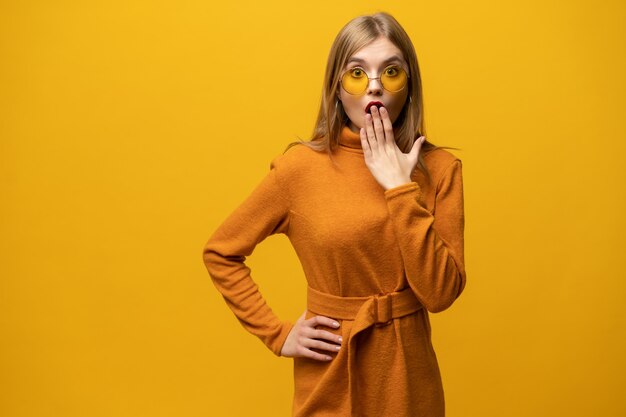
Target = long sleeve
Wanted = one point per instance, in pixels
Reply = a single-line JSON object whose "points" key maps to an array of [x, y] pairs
{"points": [[432, 246], [263, 213]]}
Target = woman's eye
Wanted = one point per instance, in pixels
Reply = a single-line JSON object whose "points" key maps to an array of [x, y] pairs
{"points": [[392, 71], [357, 72]]}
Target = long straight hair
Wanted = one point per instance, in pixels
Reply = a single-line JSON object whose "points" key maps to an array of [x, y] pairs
{"points": [[332, 117]]}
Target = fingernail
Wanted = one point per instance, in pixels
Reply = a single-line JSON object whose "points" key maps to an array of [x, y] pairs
{"points": [[335, 324], [328, 358], [340, 339]]}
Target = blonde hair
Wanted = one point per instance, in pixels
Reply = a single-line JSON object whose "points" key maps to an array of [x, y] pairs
{"points": [[331, 118]]}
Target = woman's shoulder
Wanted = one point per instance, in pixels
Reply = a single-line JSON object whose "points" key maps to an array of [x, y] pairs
{"points": [[294, 158], [440, 159], [294, 165]]}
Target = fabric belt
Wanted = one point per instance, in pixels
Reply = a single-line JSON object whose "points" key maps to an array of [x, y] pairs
{"points": [[375, 310]]}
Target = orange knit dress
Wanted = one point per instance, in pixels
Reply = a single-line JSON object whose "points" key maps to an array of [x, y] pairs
{"points": [[378, 261]]}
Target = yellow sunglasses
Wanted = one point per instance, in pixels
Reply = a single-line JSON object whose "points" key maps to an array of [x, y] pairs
{"points": [[355, 80]]}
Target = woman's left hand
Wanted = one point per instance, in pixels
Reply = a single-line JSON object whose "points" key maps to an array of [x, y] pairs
{"points": [[387, 163]]}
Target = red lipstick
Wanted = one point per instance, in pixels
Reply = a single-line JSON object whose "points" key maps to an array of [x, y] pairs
{"points": [[373, 103]]}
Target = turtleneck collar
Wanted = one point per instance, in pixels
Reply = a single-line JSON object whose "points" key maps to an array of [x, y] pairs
{"points": [[349, 138]]}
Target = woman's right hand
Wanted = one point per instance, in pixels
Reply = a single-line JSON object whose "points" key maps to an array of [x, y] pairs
{"points": [[304, 336]]}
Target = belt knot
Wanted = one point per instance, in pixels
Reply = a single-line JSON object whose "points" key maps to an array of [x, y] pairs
{"points": [[382, 310]]}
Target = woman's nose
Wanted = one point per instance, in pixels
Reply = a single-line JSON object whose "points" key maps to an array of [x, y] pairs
{"points": [[374, 86]]}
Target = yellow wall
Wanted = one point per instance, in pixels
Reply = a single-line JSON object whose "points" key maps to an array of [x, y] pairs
{"points": [[130, 130]]}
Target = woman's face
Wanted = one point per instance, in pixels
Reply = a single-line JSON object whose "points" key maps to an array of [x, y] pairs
{"points": [[374, 58]]}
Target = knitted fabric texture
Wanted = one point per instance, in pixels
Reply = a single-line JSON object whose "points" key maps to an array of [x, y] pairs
{"points": [[353, 239]]}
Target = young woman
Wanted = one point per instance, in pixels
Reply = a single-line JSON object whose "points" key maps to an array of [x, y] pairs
{"points": [[375, 214]]}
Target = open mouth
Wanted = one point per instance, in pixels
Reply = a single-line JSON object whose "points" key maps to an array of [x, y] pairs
{"points": [[378, 104]]}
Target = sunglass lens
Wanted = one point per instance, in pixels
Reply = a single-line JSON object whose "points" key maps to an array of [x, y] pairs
{"points": [[393, 79], [354, 81]]}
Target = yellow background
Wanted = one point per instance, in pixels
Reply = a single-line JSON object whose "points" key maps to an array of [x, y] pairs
{"points": [[130, 130]]}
